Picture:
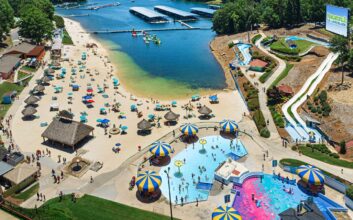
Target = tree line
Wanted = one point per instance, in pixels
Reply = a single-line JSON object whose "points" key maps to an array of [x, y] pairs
{"points": [[35, 18], [241, 15]]}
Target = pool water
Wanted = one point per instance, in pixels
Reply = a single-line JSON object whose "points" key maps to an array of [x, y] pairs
{"points": [[201, 163], [298, 133], [274, 199], [244, 49]]}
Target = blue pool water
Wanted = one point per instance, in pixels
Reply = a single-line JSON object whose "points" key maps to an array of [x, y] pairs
{"points": [[294, 38], [216, 151], [298, 133], [244, 49]]}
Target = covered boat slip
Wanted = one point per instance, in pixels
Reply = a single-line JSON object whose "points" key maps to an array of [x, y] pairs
{"points": [[175, 13], [148, 15], [206, 12]]}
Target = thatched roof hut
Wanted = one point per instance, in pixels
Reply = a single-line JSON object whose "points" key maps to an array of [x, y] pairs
{"points": [[39, 88], [20, 173], [31, 100], [45, 79], [65, 114], [204, 110], [67, 132], [171, 116], [144, 125], [29, 111]]}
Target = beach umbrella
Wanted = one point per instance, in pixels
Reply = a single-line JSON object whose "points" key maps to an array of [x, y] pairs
{"points": [[311, 174], [31, 100], [148, 181], [151, 116], [90, 101], [105, 121], [102, 109], [144, 125], [45, 79], [99, 120], [224, 212], [124, 128], [87, 97], [89, 90], [160, 149], [204, 110], [229, 126], [213, 98], [174, 103], [171, 116], [189, 129], [29, 111], [39, 88], [118, 144], [69, 93]]}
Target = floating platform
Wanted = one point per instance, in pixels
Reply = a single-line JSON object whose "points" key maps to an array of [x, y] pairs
{"points": [[215, 7], [207, 12], [147, 14], [175, 13]]}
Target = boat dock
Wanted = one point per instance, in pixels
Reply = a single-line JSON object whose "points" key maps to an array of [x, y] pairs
{"points": [[103, 6], [185, 24], [175, 13], [147, 14], [82, 15], [206, 12], [146, 30]]}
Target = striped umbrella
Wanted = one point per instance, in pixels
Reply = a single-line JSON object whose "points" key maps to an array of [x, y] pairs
{"points": [[160, 149], [225, 213], [189, 129], [148, 181], [229, 126], [311, 174]]}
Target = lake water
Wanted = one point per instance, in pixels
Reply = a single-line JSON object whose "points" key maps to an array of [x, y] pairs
{"points": [[181, 65]]}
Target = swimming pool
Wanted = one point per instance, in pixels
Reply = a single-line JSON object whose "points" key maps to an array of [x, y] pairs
{"points": [[294, 38], [244, 49], [200, 164], [298, 133], [274, 199]]}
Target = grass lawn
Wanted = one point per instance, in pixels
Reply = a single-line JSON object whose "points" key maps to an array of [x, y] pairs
{"points": [[21, 75], [255, 38], [67, 39], [29, 69], [283, 74], [89, 207], [282, 47], [28, 193], [307, 151]]}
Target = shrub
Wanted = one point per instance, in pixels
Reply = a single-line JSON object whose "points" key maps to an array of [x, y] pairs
{"points": [[295, 148], [343, 149], [59, 21], [349, 191], [259, 119], [265, 133], [255, 38], [323, 96], [230, 45], [253, 104], [335, 155], [313, 110]]}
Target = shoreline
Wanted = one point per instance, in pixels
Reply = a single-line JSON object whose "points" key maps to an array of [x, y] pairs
{"points": [[129, 85]]}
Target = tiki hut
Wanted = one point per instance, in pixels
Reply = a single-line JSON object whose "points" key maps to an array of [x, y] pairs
{"points": [[171, 116], [144, 125], [29, 111], [67, 132], [205, 111], [31, 100], [45, 79], [65, 114], [38, 88]]}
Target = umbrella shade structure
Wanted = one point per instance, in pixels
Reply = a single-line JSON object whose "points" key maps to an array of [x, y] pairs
{"points": [[160, 149], [66, 114], [105, 121], [311, 175], [45, 79], [171, 116], [189, 129], [225, 213], [148, 181], [144, 125], [31, 100], [39, 88], [124, 128], [204, 110], [29, 111], [229, 126]]}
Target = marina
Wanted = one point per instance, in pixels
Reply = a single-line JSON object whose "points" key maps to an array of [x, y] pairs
{"points": [[206, 12], [147, 14], [175, 13], [103, 6]]}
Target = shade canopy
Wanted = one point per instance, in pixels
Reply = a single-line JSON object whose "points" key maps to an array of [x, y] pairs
{"points": [[160, 149], [144, 125], [171, 116], [225, 213], [204, 110], [65, 114], [31, 100], [148, 181], [45, 79], [39, 88], [229, 126], [311, 174], [29, 111], [189, 129]]}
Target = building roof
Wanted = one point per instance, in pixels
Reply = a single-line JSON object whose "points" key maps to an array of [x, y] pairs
{"points": [[258, 63], [66, 131], [23, 48], [8, 63], [4, 167], [204, 10], [20, 173], [285, 89], [147, 12], [204, 110], [35, 52], [57, 44], [144, 125], [175, 11]]}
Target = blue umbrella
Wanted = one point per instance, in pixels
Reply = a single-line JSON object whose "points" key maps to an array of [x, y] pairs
{"points": [[87, 97], [229, 126], [99, 120], [124, 128], [311, 174], [118, 144], [160, 149], [213, 98], [151, 116], [105, 121], [189, 129]]}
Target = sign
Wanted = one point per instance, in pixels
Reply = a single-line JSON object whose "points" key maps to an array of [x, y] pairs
{"points": [[227, 198], [337, 20]]}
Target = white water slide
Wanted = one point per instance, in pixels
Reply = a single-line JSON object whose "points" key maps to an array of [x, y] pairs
{"points": [[307, 90]]}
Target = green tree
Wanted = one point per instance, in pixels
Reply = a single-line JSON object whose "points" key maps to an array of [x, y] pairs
{"points": [[340, 45], [343, 149], [6, 18], [35, 25], [44, 5]]}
